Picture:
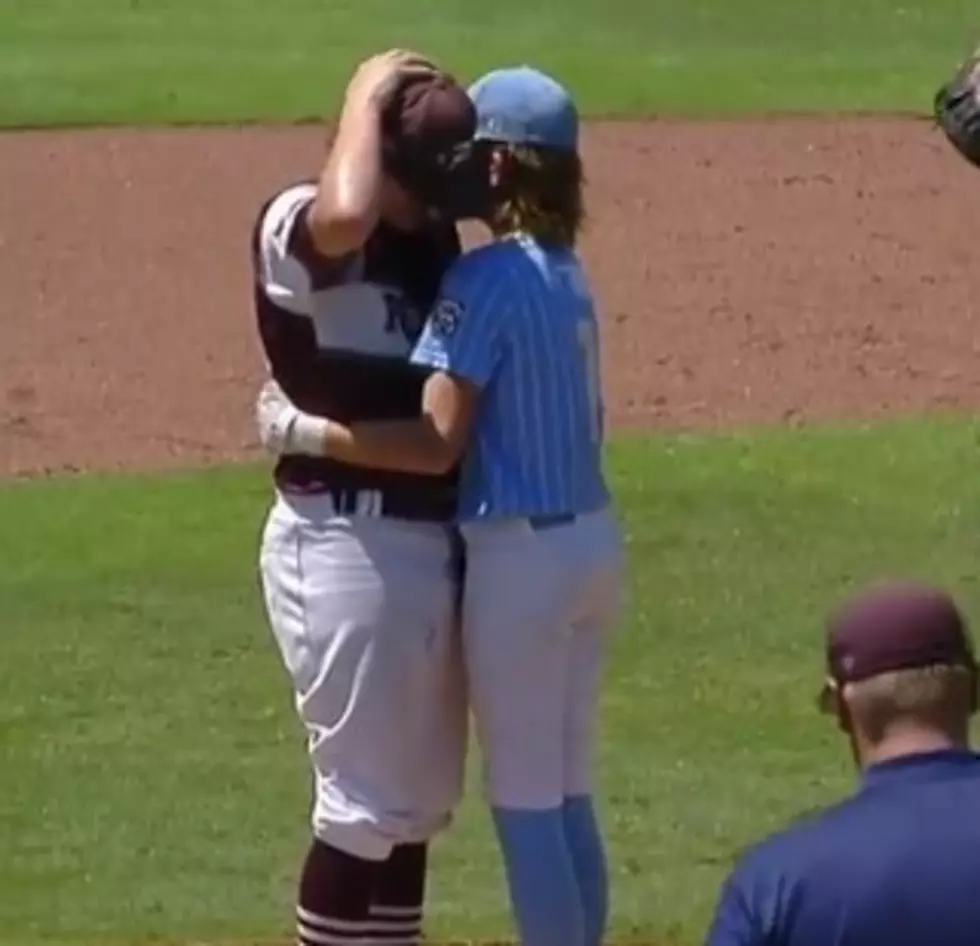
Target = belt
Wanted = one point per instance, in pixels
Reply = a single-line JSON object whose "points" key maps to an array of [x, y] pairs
{"points": [[357, 502], [540, 523], [379, 504]]}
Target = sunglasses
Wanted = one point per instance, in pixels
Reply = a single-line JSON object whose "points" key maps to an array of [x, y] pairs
{"points": [[826, 700]]}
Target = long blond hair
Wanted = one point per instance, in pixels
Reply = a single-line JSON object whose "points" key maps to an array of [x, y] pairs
{"points": [[541, 194]]}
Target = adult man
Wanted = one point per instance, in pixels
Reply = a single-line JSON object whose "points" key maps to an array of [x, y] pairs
{"points": [[357, 564], [513, 343], [898, 864]]}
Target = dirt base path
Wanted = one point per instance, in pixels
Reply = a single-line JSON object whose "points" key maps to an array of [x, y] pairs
{"points": [[751, 271]]}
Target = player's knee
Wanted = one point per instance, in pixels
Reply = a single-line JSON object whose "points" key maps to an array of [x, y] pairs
{"points": [[358, 839], [578, 778], [523, 794], [536, 784]]}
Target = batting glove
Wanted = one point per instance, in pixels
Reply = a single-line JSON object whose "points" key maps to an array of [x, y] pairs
{"points": [[284, 428]]}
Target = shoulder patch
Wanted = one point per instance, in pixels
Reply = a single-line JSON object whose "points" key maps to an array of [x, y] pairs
{"points": [[446, 316]]}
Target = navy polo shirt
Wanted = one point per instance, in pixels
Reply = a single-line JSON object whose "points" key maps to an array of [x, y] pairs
{"points": [[898, 864]]}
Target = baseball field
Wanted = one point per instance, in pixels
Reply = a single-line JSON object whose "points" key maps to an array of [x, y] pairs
{"points": [[787, 265]]}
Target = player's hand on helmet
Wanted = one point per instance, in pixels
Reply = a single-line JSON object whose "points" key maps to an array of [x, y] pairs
{"points": [[377, 78]]}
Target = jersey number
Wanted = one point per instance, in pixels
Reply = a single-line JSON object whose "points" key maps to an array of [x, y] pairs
{"points": [[588, 340]]}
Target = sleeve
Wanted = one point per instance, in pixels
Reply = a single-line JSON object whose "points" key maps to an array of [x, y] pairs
{"points": [[465, 331], [733, 923], [287, 265]]}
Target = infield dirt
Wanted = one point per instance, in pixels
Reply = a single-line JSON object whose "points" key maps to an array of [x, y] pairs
{"points": [[756, 271]]}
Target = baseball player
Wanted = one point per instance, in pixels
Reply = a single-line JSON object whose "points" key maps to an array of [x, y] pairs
{"points": [[513, 342], [356, 563], [897, 864]]}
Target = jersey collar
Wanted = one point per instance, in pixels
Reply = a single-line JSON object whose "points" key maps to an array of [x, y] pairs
{"points": [[921, 766]]}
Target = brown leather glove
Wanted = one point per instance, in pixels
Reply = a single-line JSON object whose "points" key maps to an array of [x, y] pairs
{"points": [[956, 108]]}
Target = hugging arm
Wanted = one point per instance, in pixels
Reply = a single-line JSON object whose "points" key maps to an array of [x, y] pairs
{"points": [[431, 443], [461, 343]]}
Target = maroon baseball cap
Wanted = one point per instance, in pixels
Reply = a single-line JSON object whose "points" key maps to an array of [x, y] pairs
{"points": [[896, 626], [428, 122]]}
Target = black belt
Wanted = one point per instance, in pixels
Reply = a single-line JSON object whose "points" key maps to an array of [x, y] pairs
{"points": [[390, 505], [380, 504], [539, 523]]}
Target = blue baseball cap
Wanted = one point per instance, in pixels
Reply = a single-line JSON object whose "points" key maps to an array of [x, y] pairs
{"points": [[522, 105]]}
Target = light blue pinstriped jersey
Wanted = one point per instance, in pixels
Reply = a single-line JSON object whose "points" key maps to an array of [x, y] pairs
{"points": [[518, 320]]}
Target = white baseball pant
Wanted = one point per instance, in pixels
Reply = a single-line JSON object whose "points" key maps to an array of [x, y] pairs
{"points": [[363, 611], [539, 607]]}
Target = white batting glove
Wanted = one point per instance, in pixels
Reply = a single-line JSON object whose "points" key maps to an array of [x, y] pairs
{"points": [[284, 428]]}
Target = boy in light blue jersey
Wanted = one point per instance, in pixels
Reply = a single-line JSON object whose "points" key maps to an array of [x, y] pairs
{"points": [[516, 393]]}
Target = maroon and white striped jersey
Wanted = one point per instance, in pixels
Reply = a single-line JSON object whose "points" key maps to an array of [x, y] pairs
{"points": [[337, 334]]}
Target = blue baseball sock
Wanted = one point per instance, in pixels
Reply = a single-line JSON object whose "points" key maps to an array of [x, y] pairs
{"points": [[544, 891], [584, 841]]}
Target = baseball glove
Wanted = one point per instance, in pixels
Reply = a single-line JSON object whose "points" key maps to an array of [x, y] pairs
{"points": [[956, 107]]}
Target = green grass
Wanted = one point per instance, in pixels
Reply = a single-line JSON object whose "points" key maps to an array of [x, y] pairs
{"points": [[154, 776], [154, 782], [137, 61]]}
